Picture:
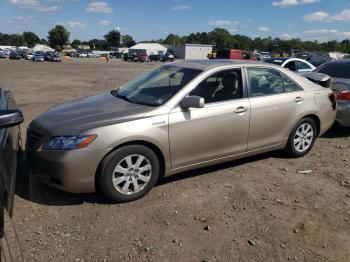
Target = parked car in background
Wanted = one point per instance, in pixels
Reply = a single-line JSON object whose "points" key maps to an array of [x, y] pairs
{"points": [[47, 56], [142, 57], [71, 54], [116, 54], [2, 55], [7, 52], [132, 57], [126, 56], [265, 55], [293, 64], [83, 55], [315, 58], [340, 72], [178, 117], [10, 148], [168, 57], [15, 55], [235, 54], [38, 58], [212, 55], [346, 57], [54, 58], [92, 55], [29, 56], [258, 56], [154, 58], [23, 53]]}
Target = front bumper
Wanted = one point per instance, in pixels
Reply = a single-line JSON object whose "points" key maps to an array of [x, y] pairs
{"points": [[343, 115], [69, 170]]}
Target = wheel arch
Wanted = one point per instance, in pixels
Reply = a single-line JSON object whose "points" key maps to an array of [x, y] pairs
{"points": [[317, 121], [145, 143]]}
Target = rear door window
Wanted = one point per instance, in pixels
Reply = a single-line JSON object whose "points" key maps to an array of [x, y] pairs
{"points": [[290, 85], [264, 82]]}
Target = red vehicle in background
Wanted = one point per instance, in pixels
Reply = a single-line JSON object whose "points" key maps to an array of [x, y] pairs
{"points": [[142, 57], [235, 54]]}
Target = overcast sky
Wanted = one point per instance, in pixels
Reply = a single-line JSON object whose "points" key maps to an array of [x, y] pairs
{"points": [[154, 19]]}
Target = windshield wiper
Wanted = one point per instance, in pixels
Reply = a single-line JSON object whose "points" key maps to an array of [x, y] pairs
{"points": [[116, 94]]}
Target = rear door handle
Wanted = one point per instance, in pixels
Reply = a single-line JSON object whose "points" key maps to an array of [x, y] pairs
{"points": [[241, 109], [298, 99]]}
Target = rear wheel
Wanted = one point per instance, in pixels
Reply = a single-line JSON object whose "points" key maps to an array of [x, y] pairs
{"points": [[129, 173], [302, 138], [10, 249]]}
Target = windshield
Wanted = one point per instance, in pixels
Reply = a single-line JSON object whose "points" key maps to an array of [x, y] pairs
{"points": [[157, 86]]}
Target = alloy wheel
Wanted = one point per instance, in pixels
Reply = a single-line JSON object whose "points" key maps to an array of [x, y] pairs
{"points": [[303, 137], [132, 174]]}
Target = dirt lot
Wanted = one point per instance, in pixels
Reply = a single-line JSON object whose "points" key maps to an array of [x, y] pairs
{"points": [[257, 209]]}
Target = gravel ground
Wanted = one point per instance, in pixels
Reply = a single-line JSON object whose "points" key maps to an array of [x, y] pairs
{"points": [[256, 209]]}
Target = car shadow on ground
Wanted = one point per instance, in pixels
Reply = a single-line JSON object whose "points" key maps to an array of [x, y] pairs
{"points": [[30, 189], [337, 131]]}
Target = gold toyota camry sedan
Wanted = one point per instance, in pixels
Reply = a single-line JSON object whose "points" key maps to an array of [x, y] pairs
{"points": [[180, 116]]}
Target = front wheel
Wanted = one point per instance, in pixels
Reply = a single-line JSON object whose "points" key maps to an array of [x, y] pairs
{"points": [[302, 138], [129, 173]]}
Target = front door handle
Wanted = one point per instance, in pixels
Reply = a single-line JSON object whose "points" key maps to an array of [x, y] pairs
{"points": [[241, 109], [298, 99]]}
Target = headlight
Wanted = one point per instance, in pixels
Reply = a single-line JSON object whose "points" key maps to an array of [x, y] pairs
{"points": [[68, 142]]}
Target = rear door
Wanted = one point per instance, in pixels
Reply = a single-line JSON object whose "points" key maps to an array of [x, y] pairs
{"points": [[276, 102]]}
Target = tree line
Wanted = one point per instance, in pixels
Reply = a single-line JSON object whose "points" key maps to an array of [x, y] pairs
{"points": [[59, 36], [220, 38]]}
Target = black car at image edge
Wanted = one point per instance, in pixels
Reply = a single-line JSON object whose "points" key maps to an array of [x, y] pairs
{"points": [[10, 150]]}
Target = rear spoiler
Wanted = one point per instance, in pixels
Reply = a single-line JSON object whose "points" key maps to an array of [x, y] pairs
{"points": [[318, 78]]}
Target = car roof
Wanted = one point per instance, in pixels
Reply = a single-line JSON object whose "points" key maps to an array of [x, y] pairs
{"points": [[277, 59], [341, 61], [208, 64]]}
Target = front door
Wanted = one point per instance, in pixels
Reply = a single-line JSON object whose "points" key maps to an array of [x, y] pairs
{"points": [[217, 130]]}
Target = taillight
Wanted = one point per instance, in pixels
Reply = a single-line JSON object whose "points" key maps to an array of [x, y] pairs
{"points": [[333, 100], [344, 95]]}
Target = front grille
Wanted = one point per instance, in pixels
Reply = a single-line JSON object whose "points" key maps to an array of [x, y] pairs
{"points": [[34, 137]]}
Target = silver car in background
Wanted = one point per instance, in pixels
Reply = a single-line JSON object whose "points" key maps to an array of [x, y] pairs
{"points": [[178, 117], [340, 73]]}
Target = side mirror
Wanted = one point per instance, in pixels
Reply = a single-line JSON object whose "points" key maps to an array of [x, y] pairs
{"points": [[192, 101], [10, 118]]}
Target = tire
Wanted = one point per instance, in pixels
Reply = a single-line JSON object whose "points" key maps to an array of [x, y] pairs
{"points": [[121, 172], [12, 188], [10, 249], [302, 138]]}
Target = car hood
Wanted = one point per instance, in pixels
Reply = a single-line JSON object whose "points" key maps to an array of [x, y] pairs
{"points": [[99, 110]]}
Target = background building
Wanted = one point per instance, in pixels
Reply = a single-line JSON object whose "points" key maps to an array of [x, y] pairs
{"points": [[148, 48], [42, 48], [191, 51]]}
